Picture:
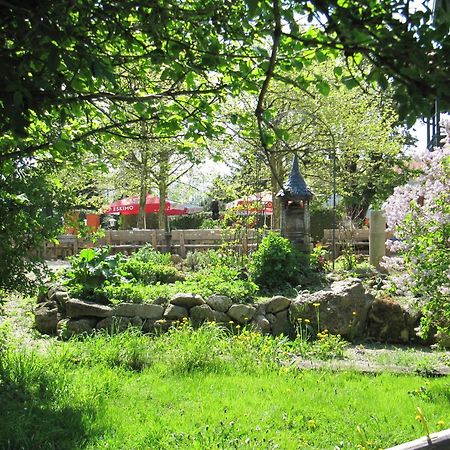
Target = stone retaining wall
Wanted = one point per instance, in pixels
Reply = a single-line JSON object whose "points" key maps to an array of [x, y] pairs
{"points": [[344, 308]]}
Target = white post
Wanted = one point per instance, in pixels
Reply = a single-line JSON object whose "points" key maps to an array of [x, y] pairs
{"points": [[377, 238]]}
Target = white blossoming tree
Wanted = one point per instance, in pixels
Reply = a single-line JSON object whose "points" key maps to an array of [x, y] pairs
{"points": [[419, 213]]}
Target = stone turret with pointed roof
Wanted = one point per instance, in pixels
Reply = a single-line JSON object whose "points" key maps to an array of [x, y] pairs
{"points": [[294, 197], [295, 187]]}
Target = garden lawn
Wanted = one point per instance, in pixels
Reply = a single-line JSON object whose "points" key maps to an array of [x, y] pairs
{"points": [[188, 390], [311, 410]]}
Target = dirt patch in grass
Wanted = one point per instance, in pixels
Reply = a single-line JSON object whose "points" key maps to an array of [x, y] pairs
{"points": [[377, 358]]}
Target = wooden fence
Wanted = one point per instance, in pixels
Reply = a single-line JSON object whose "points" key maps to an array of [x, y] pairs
{"points": [[357, 238], [183, 241], [177, 241]]}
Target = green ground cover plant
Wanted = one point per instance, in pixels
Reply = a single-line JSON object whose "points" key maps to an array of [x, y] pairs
{"points": [[151, 272], [202, 389], [138, 293]]}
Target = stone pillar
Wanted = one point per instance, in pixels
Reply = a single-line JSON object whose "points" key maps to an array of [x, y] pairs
{"points": [[377, 238]]}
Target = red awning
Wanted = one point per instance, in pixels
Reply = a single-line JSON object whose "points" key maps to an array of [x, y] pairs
{"points": [[260, 202], [130, 206]]}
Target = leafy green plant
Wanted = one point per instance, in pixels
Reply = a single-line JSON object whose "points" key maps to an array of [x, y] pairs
{"points": [[277, 262], [129, 349], [200, 260], [208, 224], [328, 346], [138, 293], [92, 270], [429, 255], [149, 272], [148, 254], [219, 280], [186, 350], [318, 259]]}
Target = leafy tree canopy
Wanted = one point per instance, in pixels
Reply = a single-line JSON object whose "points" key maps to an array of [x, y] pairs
{"points": [[67, 66], [74, 73]]}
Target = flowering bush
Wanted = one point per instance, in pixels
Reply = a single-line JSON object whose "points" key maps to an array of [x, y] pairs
{"points": [[419, 213]]}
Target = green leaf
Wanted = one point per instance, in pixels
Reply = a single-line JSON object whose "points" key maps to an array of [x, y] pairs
{"points": [[139, 107], [350, 82], [297, 63], [61, 145], [338, 71], [321, 56], [323, 87], [252, 6], [190, 80], [97, 69]]}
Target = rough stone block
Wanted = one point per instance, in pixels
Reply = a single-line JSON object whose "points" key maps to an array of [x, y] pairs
{"points": [[219, 303], [186, 300], [200, 314], [242, 314], [46, 318], [277, 303], [79, 308], [146, 311], [261, 324], [175, 312]]}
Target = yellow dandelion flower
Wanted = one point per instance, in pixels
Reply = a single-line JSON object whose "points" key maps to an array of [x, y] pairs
{"points": [[312, 424], [440, 423], [307, 321], [316, 305]]}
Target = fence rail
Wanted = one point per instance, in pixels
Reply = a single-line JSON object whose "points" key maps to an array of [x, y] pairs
{"points": [[177, 241], [436, 441], [357, 238]]}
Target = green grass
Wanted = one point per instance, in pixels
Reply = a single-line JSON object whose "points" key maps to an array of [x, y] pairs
{"points": [[202, 389]]}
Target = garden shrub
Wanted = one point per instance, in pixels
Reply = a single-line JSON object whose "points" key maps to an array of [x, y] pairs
{"points": [[92, 270], [138, 293], [277, 263], [149, 272]]}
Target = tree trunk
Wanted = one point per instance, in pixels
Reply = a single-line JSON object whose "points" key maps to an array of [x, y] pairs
{"points": [[163, 222], [141, 222], [162, 186], [143, 188], [277, 173]]}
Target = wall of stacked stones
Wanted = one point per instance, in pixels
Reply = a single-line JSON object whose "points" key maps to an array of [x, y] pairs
{"points": [[344, 308]]}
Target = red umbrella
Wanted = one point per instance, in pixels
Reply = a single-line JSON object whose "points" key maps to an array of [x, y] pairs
{"points": [[130, 206]]}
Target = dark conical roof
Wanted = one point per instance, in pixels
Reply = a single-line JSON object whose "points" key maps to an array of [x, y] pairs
{"points": [[295, 187]]}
